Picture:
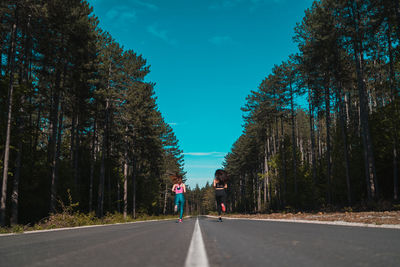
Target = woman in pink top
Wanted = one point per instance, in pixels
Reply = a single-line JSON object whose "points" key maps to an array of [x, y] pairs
{"points": [[179, 188]]}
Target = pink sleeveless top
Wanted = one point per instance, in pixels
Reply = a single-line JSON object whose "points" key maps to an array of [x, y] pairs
{"points": [[179, 189]]}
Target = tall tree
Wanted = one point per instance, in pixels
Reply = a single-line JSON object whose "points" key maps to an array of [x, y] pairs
{"points": [[12, 53]]}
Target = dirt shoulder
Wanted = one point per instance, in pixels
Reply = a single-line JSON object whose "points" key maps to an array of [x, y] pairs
{"points": [[371, 217]]}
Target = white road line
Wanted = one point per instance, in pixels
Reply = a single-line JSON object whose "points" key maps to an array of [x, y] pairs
{"points": [[197, 255]]}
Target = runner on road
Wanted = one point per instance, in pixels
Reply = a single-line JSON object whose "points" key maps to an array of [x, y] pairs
{"points": [[179, 188], [220, 184]]}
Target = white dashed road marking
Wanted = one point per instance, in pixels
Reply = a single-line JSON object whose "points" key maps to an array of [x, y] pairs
{"points": [[197, 255]]}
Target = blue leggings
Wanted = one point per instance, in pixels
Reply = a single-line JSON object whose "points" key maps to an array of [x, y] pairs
{"points": [[180, 201]]}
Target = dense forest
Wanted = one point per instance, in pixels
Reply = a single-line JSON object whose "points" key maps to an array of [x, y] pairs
{"points": [[78, 119], [322, 130]]}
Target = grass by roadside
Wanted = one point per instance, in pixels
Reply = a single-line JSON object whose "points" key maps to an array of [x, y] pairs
{"points": [[66, 219]]}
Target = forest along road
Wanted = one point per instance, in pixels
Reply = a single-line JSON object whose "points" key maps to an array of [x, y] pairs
{"points": [[230, 243]]}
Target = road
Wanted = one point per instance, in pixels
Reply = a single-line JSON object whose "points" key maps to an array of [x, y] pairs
{"points": [[230, 243]]}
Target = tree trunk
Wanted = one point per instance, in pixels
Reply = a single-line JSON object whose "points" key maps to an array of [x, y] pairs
{"points": [[244, 196], [370, 172], [134, 194], [165, 198], [100, 195], [241, 190], [283, 163], [311, 119], [258, 194], [265, 175], [254, 192], [108, 164], [15, 192], [126, 179], [37, 128], [269, 183], [3, 200], [108, 168], [294, 144], [276, 136], [302, 152], [299, 142], [92, 164], [347, 101], [72, 146], [395, 173], [319, 155], [395, 113], [328, 141], [119, 196], [25, 77], [267, 195], [76, 157], [55, 160], [343, 128]]}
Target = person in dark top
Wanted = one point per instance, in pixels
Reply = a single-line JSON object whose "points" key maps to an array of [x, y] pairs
{"points": [[220, 185]]}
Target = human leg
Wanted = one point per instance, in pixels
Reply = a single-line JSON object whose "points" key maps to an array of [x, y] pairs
{"points": [[176, 203], [218, 199], [223, 202], [181, 203]]}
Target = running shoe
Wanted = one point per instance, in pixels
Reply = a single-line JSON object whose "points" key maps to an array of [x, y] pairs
{"points": [[180, 220], [219, 219], [223, 207]]}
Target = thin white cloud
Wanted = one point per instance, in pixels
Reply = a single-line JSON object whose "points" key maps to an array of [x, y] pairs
{"points": [[200, 166], [161, 34], [124, 14], [220, 40], [145, 4], [112, 13], [121, 14], [252, 4], [224, 4], [198, 153], [201, 154], [172, 123]]}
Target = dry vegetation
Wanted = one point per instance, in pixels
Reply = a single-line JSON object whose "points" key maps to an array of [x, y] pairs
{"points": [[370, 217]]}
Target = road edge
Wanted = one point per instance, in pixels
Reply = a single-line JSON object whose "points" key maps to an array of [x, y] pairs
{"points": [[85, 226], [337, 223]]}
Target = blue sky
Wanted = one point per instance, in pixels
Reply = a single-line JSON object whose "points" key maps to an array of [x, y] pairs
{"points": [[205, 57]]}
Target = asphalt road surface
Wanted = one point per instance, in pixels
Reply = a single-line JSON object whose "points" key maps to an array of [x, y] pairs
{"points": [[230, 243]]}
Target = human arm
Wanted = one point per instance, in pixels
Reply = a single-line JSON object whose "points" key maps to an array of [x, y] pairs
{"points": [[184, 188], [173, 188]]}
